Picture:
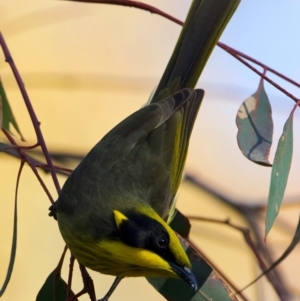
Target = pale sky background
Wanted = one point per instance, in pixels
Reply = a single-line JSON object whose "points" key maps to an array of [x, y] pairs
{"points": [[88, 66]]}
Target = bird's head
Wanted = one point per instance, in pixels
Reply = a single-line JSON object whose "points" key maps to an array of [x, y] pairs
{"points": [[150, 247]]}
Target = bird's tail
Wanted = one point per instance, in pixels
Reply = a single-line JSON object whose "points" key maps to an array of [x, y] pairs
{"points": [[202, 29]]}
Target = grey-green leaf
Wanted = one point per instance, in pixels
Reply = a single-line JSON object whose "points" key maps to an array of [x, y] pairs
{"points": [[255, 127], [180, 224], [14, 237], [211, 286], [54, 288], [280, 172], [7, 114]]}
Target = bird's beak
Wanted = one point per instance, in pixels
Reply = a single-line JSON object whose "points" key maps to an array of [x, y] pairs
{"points": [[185, 274]]}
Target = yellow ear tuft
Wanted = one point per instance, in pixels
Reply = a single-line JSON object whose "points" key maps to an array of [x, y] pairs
{"points": [[119, 217]]}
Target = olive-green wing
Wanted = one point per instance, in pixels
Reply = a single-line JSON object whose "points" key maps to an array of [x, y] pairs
{"points": [[203, 26], [138, 126], [170, 141], [164, 128]]}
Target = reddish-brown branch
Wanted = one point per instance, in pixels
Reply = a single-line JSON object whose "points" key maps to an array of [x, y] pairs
{"points": [[262, 75], [249, 213], [61, 261], [88, 282], [136, 4], [25, 157], [34, 120], [71, 267], [261, 82], [235, 53], [243, 230], [296, 106], [45, 167], [251, 244], [88, 285], [21, 147], [249, 58], [12, 150], [82, 292], [215, 268], [58, 268]]}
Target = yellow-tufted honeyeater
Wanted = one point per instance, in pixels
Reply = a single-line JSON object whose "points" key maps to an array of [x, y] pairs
{"points": [[113, 209]]}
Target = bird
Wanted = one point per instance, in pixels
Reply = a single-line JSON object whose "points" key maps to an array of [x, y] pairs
{"points": [[113, 209]]}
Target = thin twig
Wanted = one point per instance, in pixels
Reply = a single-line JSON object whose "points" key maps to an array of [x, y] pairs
{"points": [[12, 150], [34, 120], [243, 230], [249, 58], [71, 267], [278, 286], [24, 157], [265, 77], [88, 285], [235, 53], [58, 269], [215, 268], [61, 261], [136, 4], [20, 147], [273, 276]]}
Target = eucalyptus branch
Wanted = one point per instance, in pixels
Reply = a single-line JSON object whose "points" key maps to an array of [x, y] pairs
{"points": [[247, 237], [252, 218], [12, 151], [247, 212], [34, 120], [71, 267], [249, 58], [88, 282], [61, 261], [24, 157], [215, 268], [21, 147], [243, 58], [135, 4], [262, 74]]}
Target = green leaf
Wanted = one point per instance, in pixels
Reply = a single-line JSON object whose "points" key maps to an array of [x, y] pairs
{"points": [[177, 289], [255, 127], [181, 224], [280, 172], [14, 239], [289, 249], [215, 289], [7, 114], [211, 286], [54, 288]]}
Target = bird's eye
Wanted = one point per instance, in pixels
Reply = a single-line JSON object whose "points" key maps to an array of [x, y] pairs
{"points": [[162, 241]]}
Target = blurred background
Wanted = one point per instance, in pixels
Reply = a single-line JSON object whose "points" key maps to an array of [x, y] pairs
{"points": [[88, 66]]}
